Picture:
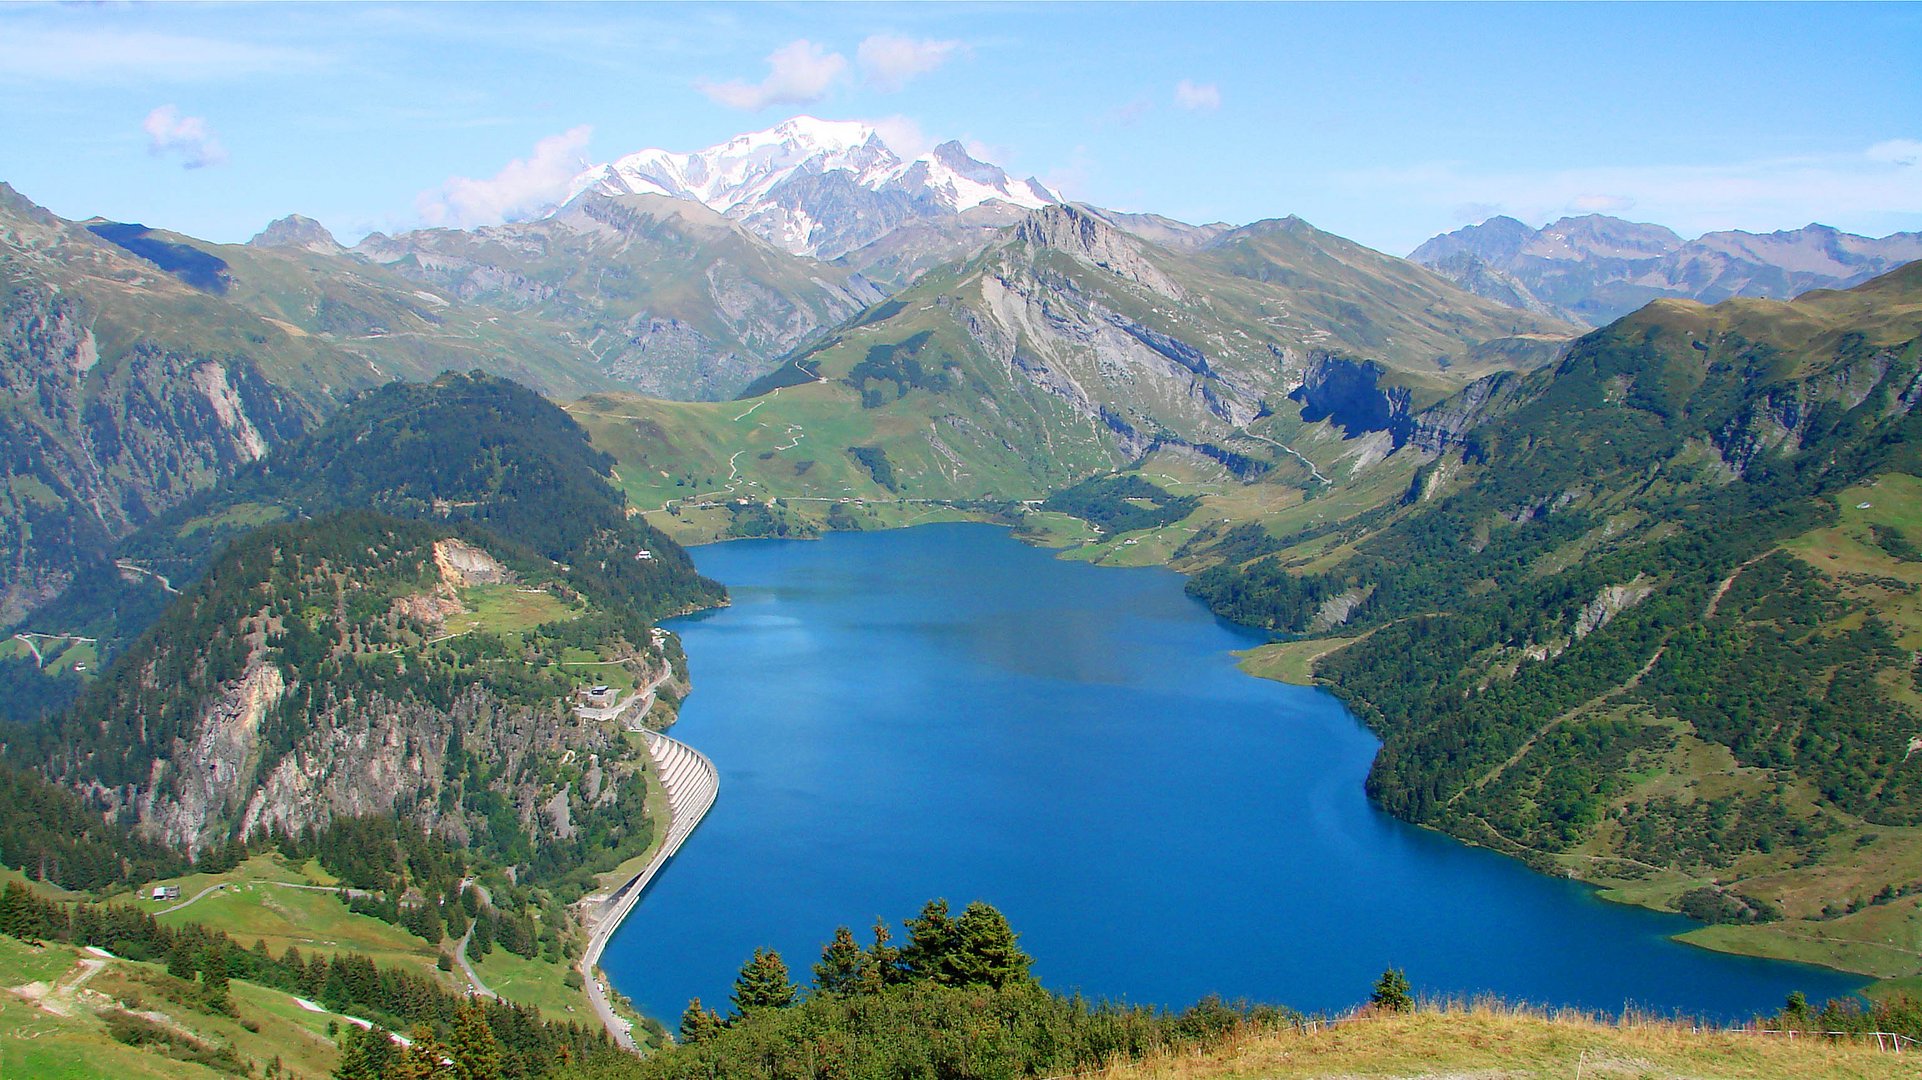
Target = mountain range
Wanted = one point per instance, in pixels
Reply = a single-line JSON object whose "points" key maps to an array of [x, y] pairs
{"points": [[1595, 269], [1634, 603], [820, 188]]}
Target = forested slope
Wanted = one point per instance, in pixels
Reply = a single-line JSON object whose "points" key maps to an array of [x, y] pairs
{"points": [[1654, 621]]}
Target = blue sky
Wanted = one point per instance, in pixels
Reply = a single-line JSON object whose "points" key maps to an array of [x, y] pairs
{"points": [[1386, 123]]}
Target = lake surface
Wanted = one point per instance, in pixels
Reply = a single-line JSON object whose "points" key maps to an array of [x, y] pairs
{"points": [[944, 711]]}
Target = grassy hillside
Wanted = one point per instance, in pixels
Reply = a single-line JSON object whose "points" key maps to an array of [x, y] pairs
{"points": [[1650, 621], [1497, 1041]]}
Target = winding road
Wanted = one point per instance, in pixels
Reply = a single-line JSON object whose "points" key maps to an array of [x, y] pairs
{"points": [[691, 783]]}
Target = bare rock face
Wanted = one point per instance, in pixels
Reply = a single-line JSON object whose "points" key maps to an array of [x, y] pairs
{"points": [[96, 450], [1085, 236], [463, 564], [367, 755], [1610, 602], [295, 231]]}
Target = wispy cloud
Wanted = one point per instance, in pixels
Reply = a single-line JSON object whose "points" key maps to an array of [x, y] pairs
{"points": [[524, 186], [1130, 114], [799, 73], [38, 54], [903, 135], [889, 61], [1884, 180], [187, 137], [1197, 97]]}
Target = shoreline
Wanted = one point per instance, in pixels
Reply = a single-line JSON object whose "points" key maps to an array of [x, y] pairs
{"points": [[1296, 668], [691, 783]]}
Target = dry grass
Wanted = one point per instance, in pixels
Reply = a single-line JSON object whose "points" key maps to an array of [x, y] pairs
{"points": [[1487, 1040]]}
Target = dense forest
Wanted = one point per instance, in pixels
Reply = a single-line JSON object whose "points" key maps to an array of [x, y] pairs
{"points": [[1608, 553], [1118, 504]]}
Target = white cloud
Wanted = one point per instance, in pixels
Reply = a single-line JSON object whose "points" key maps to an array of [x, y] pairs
{"points": [[168, 132], [799, 73], [104, 55], [1897, 151], [1197, 97], [1877, 183], [903, 136], [889, 61], [524, 186]]}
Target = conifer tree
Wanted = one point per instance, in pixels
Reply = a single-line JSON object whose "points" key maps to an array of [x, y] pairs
{"points": [[931, 943], [763, 983], [842, 965], [986, 952], [476, 1055], [420, 1059], [698, 1023], [213, 975], [1391, 992], [883, 968], [365, 1055]]}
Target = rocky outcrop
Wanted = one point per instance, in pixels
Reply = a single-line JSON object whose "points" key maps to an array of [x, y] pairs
{"points": [[1348, 393], [301, 233], [462, 564], [1610, 602], [96, 449], [1084, 235]]}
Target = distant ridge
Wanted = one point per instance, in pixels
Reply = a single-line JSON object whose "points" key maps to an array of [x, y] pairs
{"points": [[1595, 268]]}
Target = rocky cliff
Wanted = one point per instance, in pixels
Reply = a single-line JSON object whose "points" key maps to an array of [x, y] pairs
{"points": [[96, 449]]}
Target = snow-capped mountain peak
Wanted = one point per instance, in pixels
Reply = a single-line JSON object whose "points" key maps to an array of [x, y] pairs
{"points": [[817, 187]]}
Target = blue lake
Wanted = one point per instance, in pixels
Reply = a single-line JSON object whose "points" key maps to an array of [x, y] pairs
{"points": [[944, 711]]}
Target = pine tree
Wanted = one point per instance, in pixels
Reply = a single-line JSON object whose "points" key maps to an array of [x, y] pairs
{"points": [[180, 962], [986, 952], [931, 943], [476, 1055], [1391, 992], [420, 1059], [763, 984], [213, 976], [698, 1023], [843, 965], [365, 1055], [884, 962]]}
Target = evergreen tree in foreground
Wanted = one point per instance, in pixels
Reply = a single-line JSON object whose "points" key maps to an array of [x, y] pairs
{"points": [[763, 984], [698, 1023], [475, 1053], [1391, 992], [842, 965], [986, 952], [978, 949]]}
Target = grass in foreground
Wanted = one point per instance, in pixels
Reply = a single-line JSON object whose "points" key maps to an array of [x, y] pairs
{"points": [[1487, 1041]]}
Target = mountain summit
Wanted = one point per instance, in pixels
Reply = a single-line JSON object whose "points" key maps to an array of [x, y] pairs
{"points": [[1596, 268], [820, 188]]}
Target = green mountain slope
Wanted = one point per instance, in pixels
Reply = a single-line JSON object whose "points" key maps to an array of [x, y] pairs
{"points": [[122, 391], [1648, 617], [1069, 347], [312, 659], [667, 296]]}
